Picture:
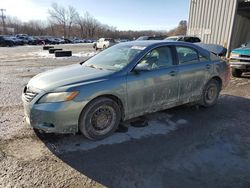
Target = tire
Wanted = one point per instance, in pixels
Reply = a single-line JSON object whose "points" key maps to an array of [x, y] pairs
{"points": [[52, 50], [10, 44], [63, 53], [104, 47], [210, 93], [47, 47], [93, 116], [236, 73]]}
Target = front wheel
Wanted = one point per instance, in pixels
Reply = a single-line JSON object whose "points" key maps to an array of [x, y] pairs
{"points": [[210, 93], [100, 118]]}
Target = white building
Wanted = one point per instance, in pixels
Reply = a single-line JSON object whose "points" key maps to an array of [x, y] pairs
{"points": [[224, 22]]}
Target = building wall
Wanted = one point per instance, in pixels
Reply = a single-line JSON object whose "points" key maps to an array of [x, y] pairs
{"points": [[212, 20], [241, 31]]}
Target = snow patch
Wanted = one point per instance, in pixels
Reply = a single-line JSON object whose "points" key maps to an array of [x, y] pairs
{"points": [[155, 127]]}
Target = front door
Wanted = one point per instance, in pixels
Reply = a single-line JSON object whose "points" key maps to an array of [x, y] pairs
{"points": [[153, 83]]}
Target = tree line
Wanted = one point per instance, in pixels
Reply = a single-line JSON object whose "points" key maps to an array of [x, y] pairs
{"points": [[68, 23]]}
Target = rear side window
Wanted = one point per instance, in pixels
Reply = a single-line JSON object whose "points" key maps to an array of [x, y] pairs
{"points": [[187, 55]]}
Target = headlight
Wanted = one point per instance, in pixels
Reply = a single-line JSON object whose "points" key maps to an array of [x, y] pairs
{"points": [[58, 97], [233, 55]]}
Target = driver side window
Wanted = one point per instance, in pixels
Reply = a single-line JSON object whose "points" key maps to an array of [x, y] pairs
{"points": [[157, 58]]}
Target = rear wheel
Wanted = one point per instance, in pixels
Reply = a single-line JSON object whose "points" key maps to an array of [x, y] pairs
{"points": [[236, 73], [10, 44], [100, 118], [210, 93]]}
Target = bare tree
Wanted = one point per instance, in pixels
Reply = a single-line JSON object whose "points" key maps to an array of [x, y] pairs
{"points": [[81, 23], [62, 16], [181, 29], [72, 18], [58, 14]]}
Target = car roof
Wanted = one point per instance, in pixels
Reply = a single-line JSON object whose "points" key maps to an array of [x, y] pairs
{"points": [[177, 36], [156, 43], [147, 43]]}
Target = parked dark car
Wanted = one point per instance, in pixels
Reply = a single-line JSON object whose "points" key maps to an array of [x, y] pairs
{"points": [[183, 38], [21, 35], [50, 40], [5, 41], [16, 40], [24, 39], [39, 40], [68, 41], [151, 38], [124, 81], [240, 60], [60, 40]]}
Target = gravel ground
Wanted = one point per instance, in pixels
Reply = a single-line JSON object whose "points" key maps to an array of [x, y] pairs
{"points": [[185, 146]]}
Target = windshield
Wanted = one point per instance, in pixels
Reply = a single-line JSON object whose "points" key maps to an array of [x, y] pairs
{"points": [[114, 58]]}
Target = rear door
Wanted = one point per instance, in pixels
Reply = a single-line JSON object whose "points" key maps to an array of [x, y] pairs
{"points": [[194, 72]]}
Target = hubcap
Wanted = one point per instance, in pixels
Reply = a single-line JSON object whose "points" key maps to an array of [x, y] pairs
{"points": [[211, 93], [103, 119]]}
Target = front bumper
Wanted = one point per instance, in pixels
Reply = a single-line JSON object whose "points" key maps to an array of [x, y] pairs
{"points": [[61, 117], [240, 63]]}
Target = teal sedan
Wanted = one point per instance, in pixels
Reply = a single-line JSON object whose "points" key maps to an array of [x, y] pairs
{"points": [[240, 60], [125, 81]]}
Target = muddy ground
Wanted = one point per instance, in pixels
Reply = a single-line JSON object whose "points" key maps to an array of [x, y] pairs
{"points": [[181, 147]]}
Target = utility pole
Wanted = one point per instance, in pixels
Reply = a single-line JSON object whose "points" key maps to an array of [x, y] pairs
{"points": [[3, 19]]}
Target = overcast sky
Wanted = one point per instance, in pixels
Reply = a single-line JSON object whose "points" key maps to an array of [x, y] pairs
{"points": [[122, 14]]}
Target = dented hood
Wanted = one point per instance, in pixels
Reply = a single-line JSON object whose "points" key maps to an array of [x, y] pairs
{"points": [[66, 75]]}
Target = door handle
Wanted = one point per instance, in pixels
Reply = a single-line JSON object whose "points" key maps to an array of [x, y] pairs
{"points": [[208, 66], [173, 73]]}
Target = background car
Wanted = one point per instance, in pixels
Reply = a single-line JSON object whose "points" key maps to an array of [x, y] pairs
{"points": [[104, 43], [6, 41], [183, 38], [151, 38], [240, 60], [122, 82], [49, 40]]}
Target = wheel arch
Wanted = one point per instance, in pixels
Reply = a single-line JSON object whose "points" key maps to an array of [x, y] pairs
{"points": [[218, 79], [112, 97]]}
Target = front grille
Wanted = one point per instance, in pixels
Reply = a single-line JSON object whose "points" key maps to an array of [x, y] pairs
{"points": [[246, 56], [29, 95], [244, 60]]}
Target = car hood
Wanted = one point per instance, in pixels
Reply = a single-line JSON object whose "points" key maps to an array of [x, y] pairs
{"points": [[242, 51], [67, 75]]}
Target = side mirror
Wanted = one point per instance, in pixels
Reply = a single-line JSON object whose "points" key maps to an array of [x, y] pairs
{"points": [[142, 67], [243, 45], [147, 65]]}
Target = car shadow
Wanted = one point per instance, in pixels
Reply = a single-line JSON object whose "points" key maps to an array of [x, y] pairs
{"points": [[163, 152]]}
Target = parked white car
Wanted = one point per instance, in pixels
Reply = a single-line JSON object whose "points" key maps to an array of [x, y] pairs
{"points": [[104, 43]]}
